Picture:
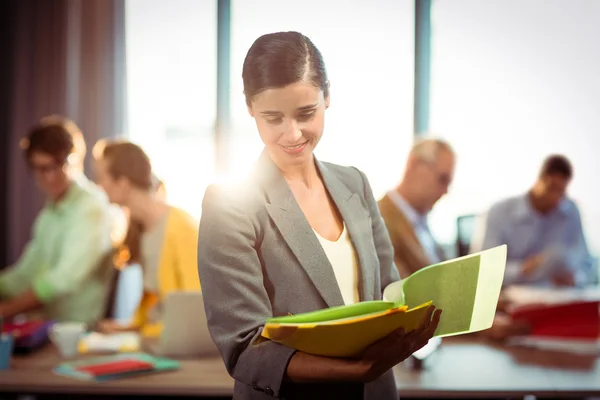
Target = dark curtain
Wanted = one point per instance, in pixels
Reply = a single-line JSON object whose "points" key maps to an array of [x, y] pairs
{"points": [[65, 57], [6, 35]]}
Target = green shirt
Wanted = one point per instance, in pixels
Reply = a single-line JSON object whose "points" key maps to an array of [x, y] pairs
{"points": [[68, 261]]}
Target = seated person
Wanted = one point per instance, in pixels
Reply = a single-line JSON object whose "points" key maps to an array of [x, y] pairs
{"points": [[161, 238], [543, 231], [427, 175], [63, 270]]}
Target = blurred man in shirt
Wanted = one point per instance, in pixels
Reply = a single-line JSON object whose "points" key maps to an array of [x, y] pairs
{"points": [[428, 174], [63, 270], [543, 231]]}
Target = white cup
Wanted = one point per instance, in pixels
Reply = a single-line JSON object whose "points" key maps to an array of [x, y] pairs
{"points": [[66, 336]]}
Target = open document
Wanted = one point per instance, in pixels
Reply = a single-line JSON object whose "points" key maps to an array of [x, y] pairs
{"points": [[466, 289]]}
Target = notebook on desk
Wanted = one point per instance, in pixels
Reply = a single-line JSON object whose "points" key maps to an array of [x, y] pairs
{"points": [[106, 368]]}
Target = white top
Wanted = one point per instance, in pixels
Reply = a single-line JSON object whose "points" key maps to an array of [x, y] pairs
{"points": [[342, 256]]}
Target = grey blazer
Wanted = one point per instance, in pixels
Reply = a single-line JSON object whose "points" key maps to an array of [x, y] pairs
{"points": [[258, 257]]}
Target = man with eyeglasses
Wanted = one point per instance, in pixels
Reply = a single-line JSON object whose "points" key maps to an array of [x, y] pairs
{"points": [[63, 270], [428, 174]]}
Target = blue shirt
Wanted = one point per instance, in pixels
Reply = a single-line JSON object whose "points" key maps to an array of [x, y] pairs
{"points": [[557, 236]]}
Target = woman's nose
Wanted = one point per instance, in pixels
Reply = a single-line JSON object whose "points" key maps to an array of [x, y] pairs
{"points": [[292, 132]]}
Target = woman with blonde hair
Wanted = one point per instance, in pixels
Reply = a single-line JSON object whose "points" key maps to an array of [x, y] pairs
{"points": [[161, 238]]}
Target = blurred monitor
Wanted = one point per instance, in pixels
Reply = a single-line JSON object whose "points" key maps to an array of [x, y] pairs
{"points": [[465, 227]]}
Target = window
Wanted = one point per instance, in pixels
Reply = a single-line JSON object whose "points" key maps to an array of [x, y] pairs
{"points": [[512, 82], [171, 89], [368, 51]]}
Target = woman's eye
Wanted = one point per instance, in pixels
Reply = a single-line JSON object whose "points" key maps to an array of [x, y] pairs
{"points": [[274, 121], [306, 117]]}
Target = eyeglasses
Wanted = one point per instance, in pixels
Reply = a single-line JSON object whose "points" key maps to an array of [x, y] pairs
{"points": [[444, 179], [44, 169]]}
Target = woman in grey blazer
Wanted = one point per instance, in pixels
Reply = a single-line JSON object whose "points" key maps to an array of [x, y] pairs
{"points": [[264, 245]]}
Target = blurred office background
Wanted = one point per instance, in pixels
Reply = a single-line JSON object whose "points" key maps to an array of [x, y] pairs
{"points": [[506, 82]]}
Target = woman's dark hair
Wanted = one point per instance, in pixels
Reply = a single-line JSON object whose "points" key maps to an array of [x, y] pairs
{"points": [[279, 59], [56, 136], [126, 160]]}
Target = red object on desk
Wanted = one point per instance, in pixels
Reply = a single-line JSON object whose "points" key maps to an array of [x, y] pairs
{"points": [[116, 368], [28, 335], [19, 330], [568, 320]]}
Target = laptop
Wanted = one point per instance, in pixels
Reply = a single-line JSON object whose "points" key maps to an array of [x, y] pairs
{"points": [[185, 329]]}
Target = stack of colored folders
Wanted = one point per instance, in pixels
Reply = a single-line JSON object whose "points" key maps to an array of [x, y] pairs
{"points": [[466, 289], [560, 319], [107, 368], [342, 331]]}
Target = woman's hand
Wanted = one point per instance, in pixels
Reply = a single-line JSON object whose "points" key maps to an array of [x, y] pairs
{"points": [[110, 326], [505, 327], [396, 347], [376, 360]]}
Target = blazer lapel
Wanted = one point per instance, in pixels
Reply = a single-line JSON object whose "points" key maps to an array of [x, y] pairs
{"points": [[297, 232], [358, 224]]}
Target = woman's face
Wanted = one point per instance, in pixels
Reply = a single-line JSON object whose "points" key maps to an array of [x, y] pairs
{"points": [[116, 189], [290, 121]]}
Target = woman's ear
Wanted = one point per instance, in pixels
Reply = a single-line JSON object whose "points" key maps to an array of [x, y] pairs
{"points": [[328, 97], [250, 111], [123, 183]]}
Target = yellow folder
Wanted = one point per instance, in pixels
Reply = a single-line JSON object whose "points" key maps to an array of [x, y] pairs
{"points": [[466, 289], [347, 337]]}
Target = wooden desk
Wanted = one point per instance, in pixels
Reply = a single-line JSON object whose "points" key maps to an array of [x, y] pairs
{"points": [[33, 374], [464, 368], [460, 368]]}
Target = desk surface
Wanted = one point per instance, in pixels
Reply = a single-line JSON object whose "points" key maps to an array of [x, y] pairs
{"points": [[33, 374], [459, 368], [467, 368]]}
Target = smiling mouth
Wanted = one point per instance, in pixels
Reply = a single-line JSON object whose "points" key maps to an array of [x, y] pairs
{"points": [[296, 148]]}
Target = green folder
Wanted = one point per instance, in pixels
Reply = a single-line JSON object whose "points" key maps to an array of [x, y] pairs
{"points": [[335, 313], [466, 289]]}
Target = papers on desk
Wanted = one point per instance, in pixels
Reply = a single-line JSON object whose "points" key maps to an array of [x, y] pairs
{"points": [[466, 289], [521, 295], [584, 347], [96, 342]]}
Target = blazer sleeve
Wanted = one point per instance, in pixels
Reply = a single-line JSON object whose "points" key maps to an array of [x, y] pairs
{"points": [[383, 244], [235, 299]]}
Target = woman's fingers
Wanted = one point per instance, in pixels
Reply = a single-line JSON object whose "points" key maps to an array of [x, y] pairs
{"points": [[433, 324], [403, 343]]}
